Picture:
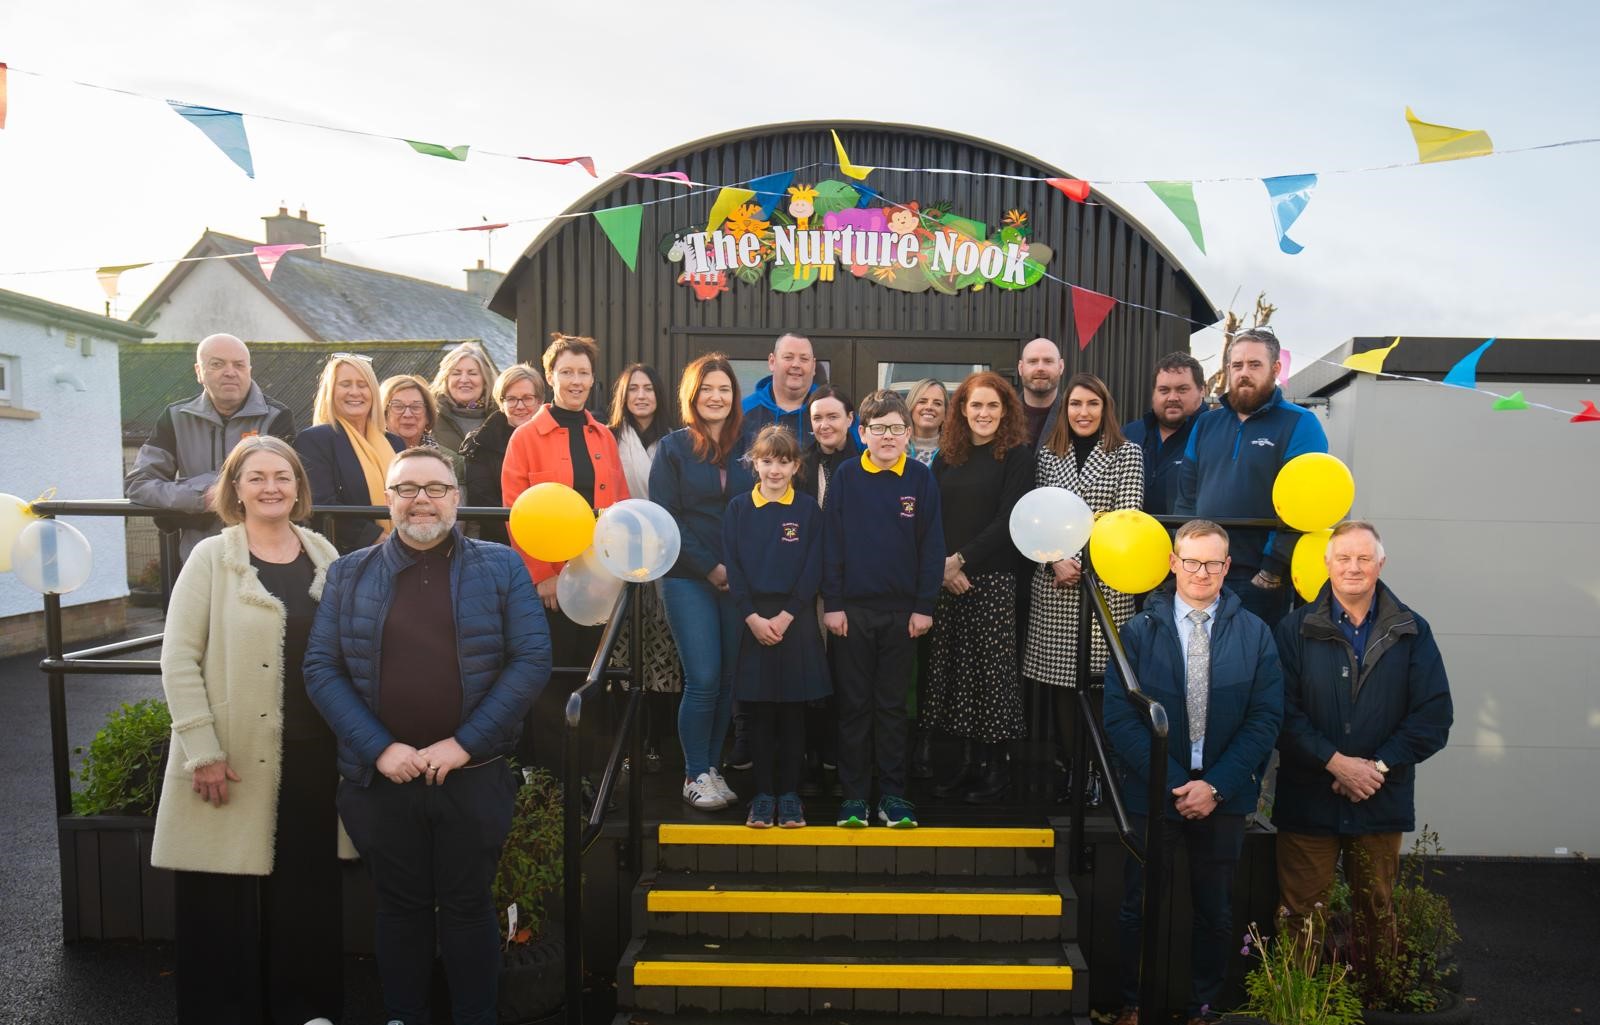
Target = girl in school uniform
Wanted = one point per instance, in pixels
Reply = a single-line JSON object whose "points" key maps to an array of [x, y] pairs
{"points": [[772, 541]]}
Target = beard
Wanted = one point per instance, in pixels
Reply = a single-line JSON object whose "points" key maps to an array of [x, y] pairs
{"points": [[1249, 402], [1040, 386], [1171, 417], [424, 533]]}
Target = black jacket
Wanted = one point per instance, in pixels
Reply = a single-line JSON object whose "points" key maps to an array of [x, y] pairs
{"points": [[337, 479], [483, 451]]}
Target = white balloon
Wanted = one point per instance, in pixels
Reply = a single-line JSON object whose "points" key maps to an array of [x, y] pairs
{"points": [[1048, 524], [637, 540], [586, 590], [14, 516], [51, 557]]}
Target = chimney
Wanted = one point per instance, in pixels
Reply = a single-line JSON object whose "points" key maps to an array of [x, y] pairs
{"points": [[482, 281], [283, 229]]}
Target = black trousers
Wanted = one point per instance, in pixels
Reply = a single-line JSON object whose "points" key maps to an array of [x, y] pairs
{"points": [[256, 950], [432, 852], [570, 645], [874, 661], [777, 744]]}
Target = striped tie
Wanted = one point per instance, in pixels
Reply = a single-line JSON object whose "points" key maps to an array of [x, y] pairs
{"points": [[1197, 675]]}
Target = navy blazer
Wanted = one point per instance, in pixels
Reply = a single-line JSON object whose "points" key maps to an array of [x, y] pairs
{"points": [[1244, 709], [336, 479]]}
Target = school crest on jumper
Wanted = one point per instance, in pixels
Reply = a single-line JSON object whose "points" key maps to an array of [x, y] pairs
{"points": [[908, 506], [789, 532]]}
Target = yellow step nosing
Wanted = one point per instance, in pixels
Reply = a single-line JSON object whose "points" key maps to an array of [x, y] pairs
{"points": [[834, 836], [809, 975], [883, 902]]}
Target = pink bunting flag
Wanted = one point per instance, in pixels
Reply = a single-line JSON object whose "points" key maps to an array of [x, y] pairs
{"points": [[268, 256], [587, 163], [1074, 189], [1587, 415], [1089, 311], [665, 176], [2, 94], [484, 227], [1284, 355]]}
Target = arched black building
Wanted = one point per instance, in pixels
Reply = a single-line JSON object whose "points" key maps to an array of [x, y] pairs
{"points": [[572, 279]]}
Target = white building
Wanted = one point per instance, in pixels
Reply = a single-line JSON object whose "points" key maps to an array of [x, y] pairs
{"points": [[61, 428]]}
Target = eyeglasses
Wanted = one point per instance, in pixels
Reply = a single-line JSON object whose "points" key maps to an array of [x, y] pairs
{"points": [[879, 430], [349, 355], [434, 490], [1193, 566], [529, 401], [402, 408]]}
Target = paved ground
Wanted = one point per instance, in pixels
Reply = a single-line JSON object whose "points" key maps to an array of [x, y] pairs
{"points": [[1530, 954]]}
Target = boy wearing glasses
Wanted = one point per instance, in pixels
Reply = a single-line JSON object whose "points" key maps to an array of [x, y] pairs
{"points": [[883, 564], [1214, 667]]}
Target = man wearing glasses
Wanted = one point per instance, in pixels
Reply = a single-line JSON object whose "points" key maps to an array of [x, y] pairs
{"points": [[427, 652], [177, 466], [1214, 668]]}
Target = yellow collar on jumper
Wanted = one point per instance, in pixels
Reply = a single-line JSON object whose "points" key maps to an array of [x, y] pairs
{"points": [[761, 500], [899, 467]]}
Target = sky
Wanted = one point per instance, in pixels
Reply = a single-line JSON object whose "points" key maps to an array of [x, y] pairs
{"points": [[1503, 246]]}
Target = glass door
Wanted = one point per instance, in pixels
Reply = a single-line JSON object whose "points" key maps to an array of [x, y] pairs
{"points": [[899, 363]]}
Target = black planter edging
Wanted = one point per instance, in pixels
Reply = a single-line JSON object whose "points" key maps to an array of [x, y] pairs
{"points": [[1453, 1009], [109, 890], [532, 988]]}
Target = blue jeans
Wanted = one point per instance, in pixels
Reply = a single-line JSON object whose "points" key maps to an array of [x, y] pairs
{"points": [[706, 626]]}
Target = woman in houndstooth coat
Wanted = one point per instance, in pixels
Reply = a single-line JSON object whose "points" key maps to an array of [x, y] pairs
{"points": [[1086, 454]]}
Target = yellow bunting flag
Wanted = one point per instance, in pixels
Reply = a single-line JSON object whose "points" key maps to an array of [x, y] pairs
{"points": [[855, 171], [1371, 361], [1441, 142], [109, 276], [728, 200]]}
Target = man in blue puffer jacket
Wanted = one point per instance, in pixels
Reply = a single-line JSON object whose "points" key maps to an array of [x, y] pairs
{"points": [[1212, 665], [1365, 699], [426, 654]]}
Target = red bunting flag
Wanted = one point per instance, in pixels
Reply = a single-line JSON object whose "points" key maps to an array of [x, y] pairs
{"points": [[587, 163], [2, 94], [1075, 189], [268, 256], [1089, 310], [484, 227], [1587, 415]]}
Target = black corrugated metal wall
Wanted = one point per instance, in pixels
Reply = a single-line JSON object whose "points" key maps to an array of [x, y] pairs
{"points": [[572, 280]]}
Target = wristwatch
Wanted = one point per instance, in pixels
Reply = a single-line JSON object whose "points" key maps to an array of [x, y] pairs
{"points": [[1215, 796], [1382, 768]]}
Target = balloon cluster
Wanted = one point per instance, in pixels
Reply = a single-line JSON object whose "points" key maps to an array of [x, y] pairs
{"points": [[47, 556], [1312, 493], [633, 541]]}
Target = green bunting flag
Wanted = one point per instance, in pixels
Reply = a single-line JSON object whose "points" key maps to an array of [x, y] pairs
{"points": [[1179, 197], [621, 225], [1512, 401], [433, 149]]}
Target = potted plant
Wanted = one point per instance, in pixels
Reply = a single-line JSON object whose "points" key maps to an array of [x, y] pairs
{"points": [[1295, 980], [532, 966], [122, 769]]}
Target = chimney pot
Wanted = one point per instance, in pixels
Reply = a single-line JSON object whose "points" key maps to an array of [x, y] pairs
{"points": [[283, 211], [480, 265], [302, 213]]}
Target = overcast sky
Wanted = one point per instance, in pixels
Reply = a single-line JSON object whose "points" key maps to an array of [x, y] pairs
{"points": [[1503, 246]]}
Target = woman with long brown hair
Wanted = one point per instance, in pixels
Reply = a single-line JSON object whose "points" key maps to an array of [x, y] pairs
{"points": [[984, 466], [697, 471]]}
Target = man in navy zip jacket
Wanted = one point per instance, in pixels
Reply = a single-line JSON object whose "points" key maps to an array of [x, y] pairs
{"points": [[1213, 666], [1365, 700], [882, 567], [1176, 396], [427, 652], [1232, 460]]}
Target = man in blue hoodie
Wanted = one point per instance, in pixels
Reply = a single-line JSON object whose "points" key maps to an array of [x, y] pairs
{"points": [[780, 397], [1232, 460], [1177, 394]]}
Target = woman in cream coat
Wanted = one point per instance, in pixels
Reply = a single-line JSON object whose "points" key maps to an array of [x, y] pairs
{"points": [[247, 805]]}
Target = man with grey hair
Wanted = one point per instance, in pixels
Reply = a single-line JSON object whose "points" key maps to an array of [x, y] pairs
{"points": [[427, 652], [177, 466], [1365, 699]]}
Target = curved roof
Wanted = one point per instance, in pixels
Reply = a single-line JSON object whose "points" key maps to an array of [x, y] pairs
{"points": [[504, 301]]}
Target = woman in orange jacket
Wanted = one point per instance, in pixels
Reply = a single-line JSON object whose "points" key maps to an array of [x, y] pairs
{"points": [[566, 444]]}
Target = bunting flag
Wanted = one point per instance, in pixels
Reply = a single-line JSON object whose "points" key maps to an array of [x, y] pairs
{"points": [[728, 200], [433, 149], [485, 227], [664, 176], [1089, 311], [109, 276], [621, 225], [587, 163], [1284, 356], [1371, 361], [2, 94], [1587, 415], [268, 256], [1179, 197], [855, 171], [1441, 142], [223, 127], [1075, 189], [1512, 401], [770, 190], [1465, 373], [1288, 194]]}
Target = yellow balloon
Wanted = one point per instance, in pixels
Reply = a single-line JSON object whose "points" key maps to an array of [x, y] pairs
{"points": [[552, 522], [1308, 567], [1313, 491], [14, 515], [1129, 550]]}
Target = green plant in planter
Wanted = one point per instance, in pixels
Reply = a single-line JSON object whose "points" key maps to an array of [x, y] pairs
{"points": [[1400, 969], [530, 863], [121, 774], [1294, 982]]}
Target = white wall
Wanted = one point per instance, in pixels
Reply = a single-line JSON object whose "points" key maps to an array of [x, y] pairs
{"points": [[1492, 525], [216, 297], [75, 446]]}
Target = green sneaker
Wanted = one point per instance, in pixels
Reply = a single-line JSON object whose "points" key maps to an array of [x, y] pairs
{"points": [[897, 813], [854, 815]]}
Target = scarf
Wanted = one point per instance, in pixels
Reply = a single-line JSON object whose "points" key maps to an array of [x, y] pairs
{"points": [[374, 453], [636, 461], [466, 417]]}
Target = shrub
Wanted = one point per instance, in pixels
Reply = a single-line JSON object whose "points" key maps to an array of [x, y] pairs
{"points": [[121, 774], [530, 863], [1398, 968], [1293, 981]]}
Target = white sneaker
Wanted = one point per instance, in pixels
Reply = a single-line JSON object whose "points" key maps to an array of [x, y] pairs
{"points": [[319, 1021], [701, 792], [721, 784]]}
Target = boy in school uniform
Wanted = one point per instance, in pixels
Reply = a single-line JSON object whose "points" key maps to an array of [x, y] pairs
{"points": [[883, 564]]}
